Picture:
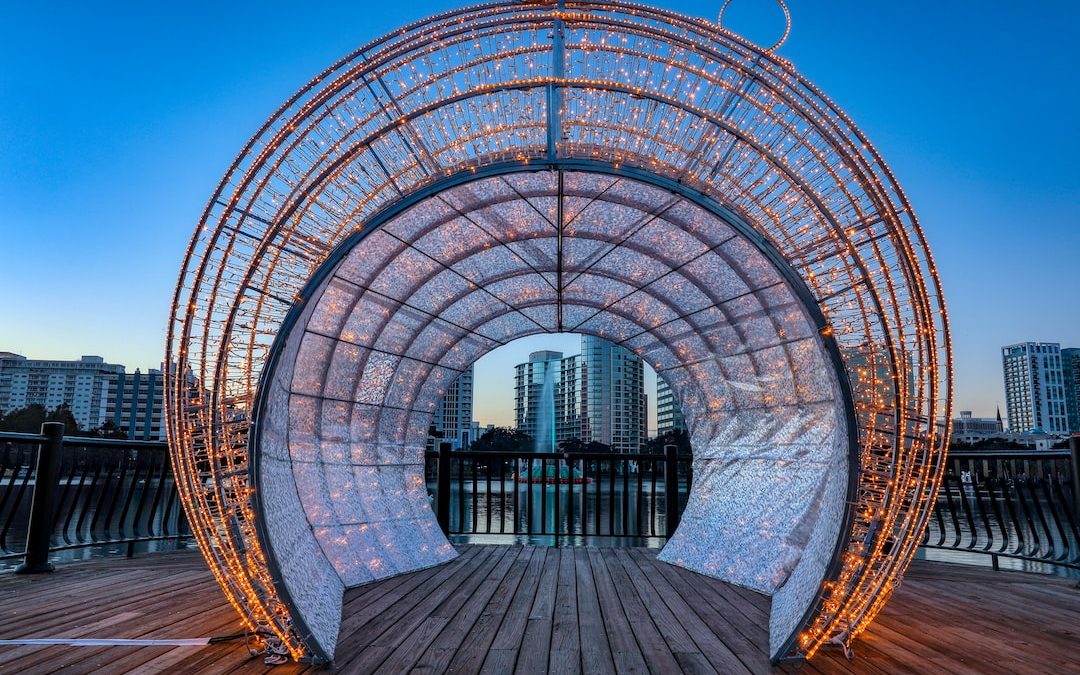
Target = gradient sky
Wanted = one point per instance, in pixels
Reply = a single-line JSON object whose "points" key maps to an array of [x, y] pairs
{"points": [[118, 119]]}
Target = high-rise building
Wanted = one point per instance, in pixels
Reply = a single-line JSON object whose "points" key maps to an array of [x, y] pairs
{"points": [[83, 386], [94, 391], [1034, 387], [669, 416], [613, 400], [454, 416], [1070, 370], [136, 404], [547, 398], [597, 396]]}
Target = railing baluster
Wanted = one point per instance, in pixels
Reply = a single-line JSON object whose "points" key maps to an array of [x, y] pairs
{"points": [[130, 495], [144, 493], [558, 500], [625, 496], [998, 517], [965, 503], [611, 496], [638, 498], [475, 495], [502, 496], [487, 487], [543, 495], [461, 495], [1050, 545], [1048, 489], [584, 497], [63, 510], [529, 497], [79, 501], [569, 494], [976, 487], [155, 513], [652, 497], [517, 484], [596, 501]]}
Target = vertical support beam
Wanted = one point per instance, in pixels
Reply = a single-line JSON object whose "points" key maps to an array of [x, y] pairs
{"points": [[39, 530], [671, 489], [554, 89], [561, 223], [1074, 452], [442, 490]]}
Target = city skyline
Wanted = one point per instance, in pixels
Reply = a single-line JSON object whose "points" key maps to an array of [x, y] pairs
{"points": [[111, 158]]}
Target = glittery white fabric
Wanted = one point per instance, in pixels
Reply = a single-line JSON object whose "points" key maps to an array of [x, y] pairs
{"points": [[420, 298]]}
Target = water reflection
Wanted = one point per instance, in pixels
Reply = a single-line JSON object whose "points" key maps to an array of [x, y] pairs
{"points": [[565, 515]]}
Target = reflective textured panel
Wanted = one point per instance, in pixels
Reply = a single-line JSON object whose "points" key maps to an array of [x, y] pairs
{"points": [[518, 168]]}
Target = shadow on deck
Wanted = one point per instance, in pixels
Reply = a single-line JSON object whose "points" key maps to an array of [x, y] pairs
{"points": [[503, 609]]}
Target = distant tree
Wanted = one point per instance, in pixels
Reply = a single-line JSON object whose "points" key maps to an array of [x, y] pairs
{"points": [[503, 439], [572, 445], [24, 420], [578, 445], [675, 437], [28, 420], [110, 430]]}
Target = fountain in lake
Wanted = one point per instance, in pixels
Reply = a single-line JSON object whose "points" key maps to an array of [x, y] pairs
{"points": [[545, 412]]}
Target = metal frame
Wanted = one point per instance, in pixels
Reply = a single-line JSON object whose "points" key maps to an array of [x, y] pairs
{"points": [[331, 262], [374, 127]]}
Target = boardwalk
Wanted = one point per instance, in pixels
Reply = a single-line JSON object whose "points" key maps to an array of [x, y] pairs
{"points": [[503, 609]]}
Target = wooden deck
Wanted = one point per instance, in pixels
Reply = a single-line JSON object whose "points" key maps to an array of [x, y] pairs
{"points": [[503, 609]]}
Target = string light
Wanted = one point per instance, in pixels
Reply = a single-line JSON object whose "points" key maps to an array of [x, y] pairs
{"points": [[643, 89]]}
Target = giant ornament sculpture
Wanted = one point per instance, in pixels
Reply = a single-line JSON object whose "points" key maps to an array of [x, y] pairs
{"points": [[516, 168]]}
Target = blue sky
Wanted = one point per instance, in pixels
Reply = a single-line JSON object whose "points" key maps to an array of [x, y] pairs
{"points": [[118, 119]]}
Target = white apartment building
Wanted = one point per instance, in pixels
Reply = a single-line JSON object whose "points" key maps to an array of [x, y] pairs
{"points": [[454, 416], [1034, 387], [94, 392]]}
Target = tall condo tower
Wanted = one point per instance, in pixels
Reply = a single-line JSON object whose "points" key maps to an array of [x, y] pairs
{"points": [[1034, 387]]}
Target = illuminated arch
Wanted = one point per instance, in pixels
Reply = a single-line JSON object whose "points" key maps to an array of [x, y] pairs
{"points": [[515, 168]]}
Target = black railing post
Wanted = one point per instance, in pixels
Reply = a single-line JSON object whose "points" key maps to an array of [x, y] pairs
{"points": [[46, 478], [442, 491], [671, 489], [1074, 452]]}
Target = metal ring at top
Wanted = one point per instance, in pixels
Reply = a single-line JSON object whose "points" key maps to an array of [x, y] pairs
{"points": [[787, 23]]}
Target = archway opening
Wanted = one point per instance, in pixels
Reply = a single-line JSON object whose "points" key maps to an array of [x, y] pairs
{"points": [[610, 89], [400, 310]]}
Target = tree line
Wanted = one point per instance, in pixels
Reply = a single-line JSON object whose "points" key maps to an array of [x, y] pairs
{"points": [[508, 440], [28, 420]]}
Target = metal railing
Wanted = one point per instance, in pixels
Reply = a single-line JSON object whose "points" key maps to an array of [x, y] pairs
{"points": [[1013, 504], [559, 498], [59, 493]]}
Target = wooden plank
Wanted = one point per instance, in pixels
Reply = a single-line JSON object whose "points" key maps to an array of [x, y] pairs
{"points": [[465, 618], [625, 650], [709, 644], [536, 643], [470, 655], [653, 647], [499, 609], [506, 645], [352, 624], [453, 618], [595, 650], [381, 636], [154, 619], [565, 651], [748, 641]]}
